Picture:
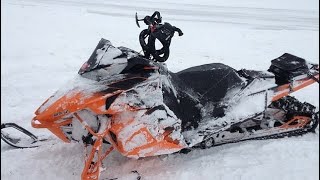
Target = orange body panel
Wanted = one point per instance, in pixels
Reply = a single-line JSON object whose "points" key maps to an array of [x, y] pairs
{"points": [[151, 146]]}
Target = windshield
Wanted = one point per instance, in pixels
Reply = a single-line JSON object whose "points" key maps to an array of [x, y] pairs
{"points": [[105, 61]]}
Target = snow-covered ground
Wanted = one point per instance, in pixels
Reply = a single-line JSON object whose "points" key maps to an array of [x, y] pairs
{"points": [[45, 42]]}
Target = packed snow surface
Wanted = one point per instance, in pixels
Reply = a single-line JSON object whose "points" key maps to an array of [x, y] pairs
{"points": [[45, 42]]}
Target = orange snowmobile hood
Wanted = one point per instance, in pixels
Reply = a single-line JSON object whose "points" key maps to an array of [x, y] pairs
{"points": [[56, 111], [74, 100], [69, 103]]}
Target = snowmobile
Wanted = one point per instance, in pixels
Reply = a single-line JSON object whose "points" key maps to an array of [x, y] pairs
{"points": [[121, 100], [139, 108]]}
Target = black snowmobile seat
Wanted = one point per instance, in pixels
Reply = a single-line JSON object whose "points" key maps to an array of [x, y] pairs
{"points": [[210, 81], [197, 86]]}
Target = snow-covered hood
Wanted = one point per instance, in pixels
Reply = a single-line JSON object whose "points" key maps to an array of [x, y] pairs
{"points": [[81, 93]]}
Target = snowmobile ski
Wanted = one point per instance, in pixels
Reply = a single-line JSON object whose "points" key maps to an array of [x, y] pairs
{"points": [[27, 140]]}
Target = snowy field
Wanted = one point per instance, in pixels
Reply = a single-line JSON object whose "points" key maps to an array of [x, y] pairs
{"points": [[45, 42]]}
